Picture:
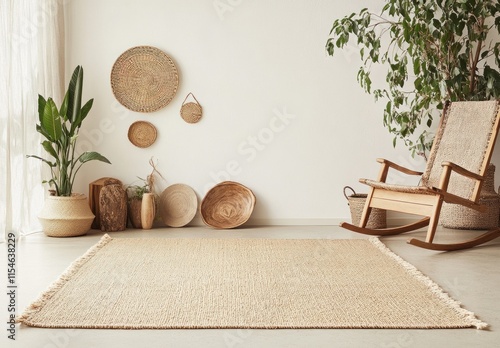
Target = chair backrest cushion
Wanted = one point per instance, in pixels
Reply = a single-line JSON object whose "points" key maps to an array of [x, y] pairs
{"points": [[464, 138]]}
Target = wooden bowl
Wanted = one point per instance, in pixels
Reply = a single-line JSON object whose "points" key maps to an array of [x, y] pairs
{"points": [[227, 205]]}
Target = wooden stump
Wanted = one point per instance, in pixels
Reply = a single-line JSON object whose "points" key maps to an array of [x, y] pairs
{"points": [[113, 206]]}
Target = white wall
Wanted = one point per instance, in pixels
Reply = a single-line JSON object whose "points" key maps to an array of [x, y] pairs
{"points": [[243, 65]]}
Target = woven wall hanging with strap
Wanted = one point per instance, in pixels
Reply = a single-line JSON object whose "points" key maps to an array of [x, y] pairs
{"points": [[191, 111]]}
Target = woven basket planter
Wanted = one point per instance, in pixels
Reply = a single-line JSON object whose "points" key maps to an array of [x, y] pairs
{"points": [[356, 201], [460, 217], [66, 216]]}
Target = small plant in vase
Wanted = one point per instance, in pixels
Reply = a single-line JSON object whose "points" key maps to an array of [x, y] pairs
{"points": [[142, 201], [135, 195]]}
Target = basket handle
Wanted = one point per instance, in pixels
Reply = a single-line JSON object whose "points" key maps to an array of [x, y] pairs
{"points": [[197, 102], [350, 188]]}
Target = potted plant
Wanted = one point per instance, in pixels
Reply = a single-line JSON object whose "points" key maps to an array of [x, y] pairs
{"points": [[142, 200], [65, 213], [433, 50], [135, 195]]}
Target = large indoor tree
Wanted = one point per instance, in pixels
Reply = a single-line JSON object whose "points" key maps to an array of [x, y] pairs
{"points": [[434, 51]]}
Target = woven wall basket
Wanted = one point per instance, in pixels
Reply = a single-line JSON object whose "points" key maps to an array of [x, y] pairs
{"points": [[356, 201], [460, 217], [227, 205], [191, 112], [144, 79], [142, 133]]}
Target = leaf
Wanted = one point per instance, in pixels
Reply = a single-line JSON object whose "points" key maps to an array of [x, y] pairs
{"points": [[47, 145], [41, 107], [42, 131], [416, 66], [64, 107], [75, 94], [51, 121], [41, 159], [86, 108], [91, 156]]}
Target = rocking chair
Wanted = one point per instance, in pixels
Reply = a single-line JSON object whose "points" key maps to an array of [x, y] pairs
{"points": [[454, 173]]}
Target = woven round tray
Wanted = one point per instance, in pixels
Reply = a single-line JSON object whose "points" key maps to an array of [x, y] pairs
{"points": [[227, 205], [142, 134], [178, 205], [144, 79]]}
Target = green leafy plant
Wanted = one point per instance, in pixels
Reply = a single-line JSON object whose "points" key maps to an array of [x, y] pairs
{"points": [[137, 191], [434, 51], [60, 128]]}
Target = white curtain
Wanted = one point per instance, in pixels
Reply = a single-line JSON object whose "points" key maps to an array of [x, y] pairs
{"points": [[31, 63]]}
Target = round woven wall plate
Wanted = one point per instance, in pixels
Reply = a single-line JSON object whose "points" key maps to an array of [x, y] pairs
{"points": [[142, 134], [227, 205], [191, 112], [178, 205], [144, 79]]}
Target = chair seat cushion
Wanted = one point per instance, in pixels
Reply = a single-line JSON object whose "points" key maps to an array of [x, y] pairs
{"points": [[400, 188]]}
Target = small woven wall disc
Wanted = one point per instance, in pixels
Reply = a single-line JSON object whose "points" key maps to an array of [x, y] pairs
{"points": [[142, 134], [144, 79], [191, 112]]}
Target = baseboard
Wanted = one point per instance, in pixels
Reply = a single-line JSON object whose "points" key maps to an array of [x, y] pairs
{"points": [[392, 220]]}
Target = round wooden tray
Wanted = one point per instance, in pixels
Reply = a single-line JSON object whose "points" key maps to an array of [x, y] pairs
{"points": [[227, 205]]}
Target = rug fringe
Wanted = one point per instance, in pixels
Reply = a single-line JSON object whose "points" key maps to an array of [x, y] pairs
{"points": [[433, 287], [63, 279]]}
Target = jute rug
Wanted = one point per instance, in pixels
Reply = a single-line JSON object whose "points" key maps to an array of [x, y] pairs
{"points": [[244, 283]]}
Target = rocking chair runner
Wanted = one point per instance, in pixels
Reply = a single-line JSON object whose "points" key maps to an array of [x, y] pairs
{"points": [[454, 174]]}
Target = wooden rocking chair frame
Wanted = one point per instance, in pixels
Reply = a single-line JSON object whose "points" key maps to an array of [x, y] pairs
{"points": [[436, 184]]}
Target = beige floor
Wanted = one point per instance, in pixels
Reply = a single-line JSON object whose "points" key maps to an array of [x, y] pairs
{"points": [[471, 277]]}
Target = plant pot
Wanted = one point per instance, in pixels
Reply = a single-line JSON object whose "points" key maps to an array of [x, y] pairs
{"points": [[66, 216], [134, 212]]}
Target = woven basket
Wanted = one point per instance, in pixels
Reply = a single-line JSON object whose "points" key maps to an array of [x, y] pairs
{"points": [[66, 216], [142, 134], [144, 79], [227, 205], [191, 112], [459, 217], [356, 201]]}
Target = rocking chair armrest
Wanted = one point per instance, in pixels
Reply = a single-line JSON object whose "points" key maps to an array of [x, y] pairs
{"points": [[398, 167], [462, 171]]}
